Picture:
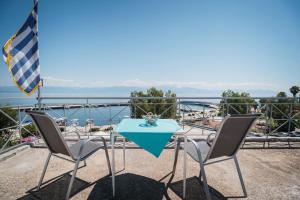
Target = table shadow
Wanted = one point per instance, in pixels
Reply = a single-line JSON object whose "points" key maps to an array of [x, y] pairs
{"points": [[128, 186]]}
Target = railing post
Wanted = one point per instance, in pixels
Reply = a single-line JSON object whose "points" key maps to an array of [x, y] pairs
{"points": [[183, 114], [89, 120], [203, 116], [271, 117], [65, 116], [227, 105], [39, 103], [134, 110], [290, 119], [20, 123], [110, 119], [247, 111], [131, 109], [223, 107], [179, 109], [39, 95]]}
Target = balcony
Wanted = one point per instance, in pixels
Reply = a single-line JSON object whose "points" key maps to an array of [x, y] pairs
{"points": [[269, 157]]}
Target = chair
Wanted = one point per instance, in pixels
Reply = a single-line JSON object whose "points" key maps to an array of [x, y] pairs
{"points": [[79, 151], [224, 146]]}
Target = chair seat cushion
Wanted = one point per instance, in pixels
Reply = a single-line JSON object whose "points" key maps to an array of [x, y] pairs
{"points": [[192, 151], [88, 149]]}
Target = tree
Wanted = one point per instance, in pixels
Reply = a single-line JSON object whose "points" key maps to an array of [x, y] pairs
{"points": [[277, 111], [294, 90], [5, 122], [28, 130], [165, 107], [236, 103]]}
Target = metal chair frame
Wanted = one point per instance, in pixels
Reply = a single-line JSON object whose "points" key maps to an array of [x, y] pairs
{"points": [[74, 159], [203, 162]]}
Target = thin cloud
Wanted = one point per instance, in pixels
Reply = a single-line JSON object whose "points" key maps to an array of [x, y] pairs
{"points": [[134, 83], [199, 85], [59, 82]]}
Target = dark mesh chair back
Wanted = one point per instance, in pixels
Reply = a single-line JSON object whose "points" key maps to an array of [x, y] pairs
{"points": [[50, 132], [231, 134]]}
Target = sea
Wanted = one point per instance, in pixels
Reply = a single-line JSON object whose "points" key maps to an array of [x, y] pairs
{"points": [[99, 115]]}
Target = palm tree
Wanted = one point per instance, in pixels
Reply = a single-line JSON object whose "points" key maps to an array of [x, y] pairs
{"points": [[294, 90]]}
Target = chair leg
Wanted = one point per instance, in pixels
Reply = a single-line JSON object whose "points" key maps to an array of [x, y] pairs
{"points": [[72, 179], [107, 156], [44, 171], [124, 154], [177, 146], [202, 173], [240, 175]]}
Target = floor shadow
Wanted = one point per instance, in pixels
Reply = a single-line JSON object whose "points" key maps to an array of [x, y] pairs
{"points": [[57, 189], [128, 186], [194, 190]]}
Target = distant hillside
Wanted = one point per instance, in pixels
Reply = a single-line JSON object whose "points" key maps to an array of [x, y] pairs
{"points": [[125, 91]]}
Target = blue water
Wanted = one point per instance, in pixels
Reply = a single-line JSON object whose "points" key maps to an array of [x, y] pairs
{"points": [[100, 116]]}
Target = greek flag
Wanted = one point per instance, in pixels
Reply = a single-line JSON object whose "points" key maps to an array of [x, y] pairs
{"points": [[21, 54]]}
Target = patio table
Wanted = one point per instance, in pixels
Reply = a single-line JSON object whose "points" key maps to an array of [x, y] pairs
{"points": [[151, 138]]}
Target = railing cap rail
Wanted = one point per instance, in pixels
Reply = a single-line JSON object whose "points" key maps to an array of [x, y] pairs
{"points": [[179, 98]]}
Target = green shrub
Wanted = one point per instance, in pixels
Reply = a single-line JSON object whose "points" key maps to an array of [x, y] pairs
{"points": [[165, 107], [6, 122], [241, 103], [31, 128]]}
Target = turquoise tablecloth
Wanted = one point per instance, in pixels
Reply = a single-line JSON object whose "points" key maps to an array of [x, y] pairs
{"points": [[151, 138]]}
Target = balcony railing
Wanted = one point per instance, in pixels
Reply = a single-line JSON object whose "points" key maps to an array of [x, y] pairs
{"points": [[86, 115]]}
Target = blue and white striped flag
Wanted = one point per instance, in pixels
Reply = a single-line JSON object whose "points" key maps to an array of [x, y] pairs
{"points": [[21, 54]]}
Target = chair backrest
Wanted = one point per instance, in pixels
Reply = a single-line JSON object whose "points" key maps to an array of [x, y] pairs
{"points": [[50, 132], [230, 135]]}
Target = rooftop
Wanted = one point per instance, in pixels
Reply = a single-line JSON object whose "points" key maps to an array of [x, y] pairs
{"points": [[268, 173], [269, 160]]}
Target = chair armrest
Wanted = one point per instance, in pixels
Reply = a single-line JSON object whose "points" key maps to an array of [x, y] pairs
{"points": [[209, 139], [103, 140], [197, 147], [78, 135], [71, 132], [84, 142]]}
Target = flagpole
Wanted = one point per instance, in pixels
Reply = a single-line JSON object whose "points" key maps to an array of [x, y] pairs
{"points": [[41, 81], [39, 95]]}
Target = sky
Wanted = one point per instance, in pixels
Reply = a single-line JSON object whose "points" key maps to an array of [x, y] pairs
{"points": [[232, 44]]}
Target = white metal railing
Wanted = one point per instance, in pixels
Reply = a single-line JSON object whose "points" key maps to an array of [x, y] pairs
{"points": [[278, 114]]}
